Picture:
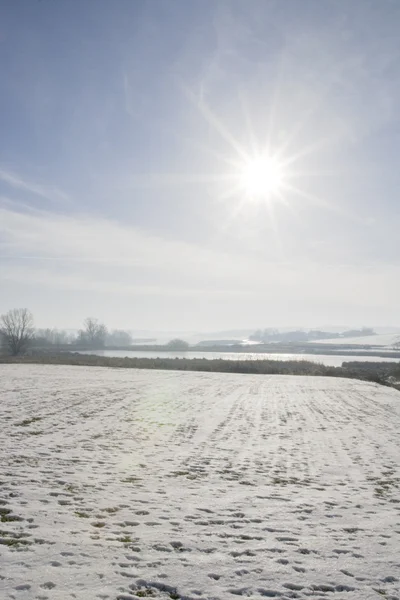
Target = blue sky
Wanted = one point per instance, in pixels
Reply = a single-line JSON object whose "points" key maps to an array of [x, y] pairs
{"points": [[124, 129]]}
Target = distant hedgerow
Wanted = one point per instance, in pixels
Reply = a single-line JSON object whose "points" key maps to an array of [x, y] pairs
{"points": [[384, 373]]}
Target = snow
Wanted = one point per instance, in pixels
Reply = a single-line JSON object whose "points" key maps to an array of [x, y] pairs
{"points": [[384, 339], [130, 484]]}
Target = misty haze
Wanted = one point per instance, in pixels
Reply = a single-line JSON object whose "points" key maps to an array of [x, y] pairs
{"points": [[200, 299]]}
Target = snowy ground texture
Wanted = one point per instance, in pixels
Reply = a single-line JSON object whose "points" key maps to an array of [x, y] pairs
{"points": [[125, 484]]}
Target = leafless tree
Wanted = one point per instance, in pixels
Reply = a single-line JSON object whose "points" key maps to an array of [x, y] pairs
{"points": [[94, 334], [52, 337], [16, 328]]}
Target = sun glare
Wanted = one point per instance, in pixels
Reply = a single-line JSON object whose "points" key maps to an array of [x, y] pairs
{"points": [[262, 177]]}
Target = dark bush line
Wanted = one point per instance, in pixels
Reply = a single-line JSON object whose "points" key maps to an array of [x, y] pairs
{"points": [[387, 371], [378, 366], [382, 373]]}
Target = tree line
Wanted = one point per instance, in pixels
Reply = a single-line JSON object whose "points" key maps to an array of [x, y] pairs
{"points": [[17, 333]]}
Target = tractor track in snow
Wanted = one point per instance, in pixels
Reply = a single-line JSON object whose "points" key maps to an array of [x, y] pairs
{"points": [[120, 483]]}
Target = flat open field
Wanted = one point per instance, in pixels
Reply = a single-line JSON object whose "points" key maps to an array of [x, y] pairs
{"points": [[122, 484]]}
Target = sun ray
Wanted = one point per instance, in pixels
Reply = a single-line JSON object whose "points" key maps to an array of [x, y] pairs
{"points": [[211, 152], [276, 91], [321, 203], [318, 102], [216, 123], [258, 168], [312, 148], [176, 179], [250, 130]]}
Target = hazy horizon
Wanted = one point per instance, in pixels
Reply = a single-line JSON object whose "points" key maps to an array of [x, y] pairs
{"points": [[232, 333], [200, 166]]}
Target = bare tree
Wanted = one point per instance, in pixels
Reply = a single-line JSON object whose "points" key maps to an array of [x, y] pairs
{"points": [[52, 337], [94, 334], [16, 328]]}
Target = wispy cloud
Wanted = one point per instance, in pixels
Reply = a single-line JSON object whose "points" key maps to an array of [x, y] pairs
{"points": [[15, 181], [101, 255], [103, 249], [79, 281]]}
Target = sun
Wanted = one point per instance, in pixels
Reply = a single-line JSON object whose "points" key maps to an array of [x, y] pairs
{"points": [[262, 177]]}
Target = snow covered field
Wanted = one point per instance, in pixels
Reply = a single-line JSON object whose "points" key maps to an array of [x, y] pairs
{"points": [[123, 484]]}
